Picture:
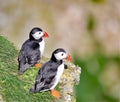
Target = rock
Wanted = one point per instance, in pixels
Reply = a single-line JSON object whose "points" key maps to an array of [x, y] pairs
{"points": [[70, 78]]}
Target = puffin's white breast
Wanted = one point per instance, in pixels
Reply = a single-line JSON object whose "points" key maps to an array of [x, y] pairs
{"points": [[60, 71], [42, 46]]}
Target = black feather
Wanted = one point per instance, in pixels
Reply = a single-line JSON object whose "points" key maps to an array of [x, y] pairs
{"points": [[29, 55]]}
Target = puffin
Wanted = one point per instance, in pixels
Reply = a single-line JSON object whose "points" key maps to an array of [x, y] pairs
{"points": [[32, 50], [49, 74]]}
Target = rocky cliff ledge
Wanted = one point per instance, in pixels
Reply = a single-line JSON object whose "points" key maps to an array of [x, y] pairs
{"points": [[15, 88]]}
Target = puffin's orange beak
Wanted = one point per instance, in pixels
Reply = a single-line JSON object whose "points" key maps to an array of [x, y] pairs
{"points": [[46, 35], [69, 58]]}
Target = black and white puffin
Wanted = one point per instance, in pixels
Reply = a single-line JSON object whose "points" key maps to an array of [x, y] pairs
{"points": [[32, 50], [50, 73]]}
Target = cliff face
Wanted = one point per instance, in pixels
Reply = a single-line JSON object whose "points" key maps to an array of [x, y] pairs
{"points": [[15, 88]]}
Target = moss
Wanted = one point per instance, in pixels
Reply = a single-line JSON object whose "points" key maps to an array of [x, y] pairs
{"points": [[14, 87]]}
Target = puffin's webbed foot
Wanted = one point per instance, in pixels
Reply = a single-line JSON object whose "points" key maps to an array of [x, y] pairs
{"points": [[38, 65], [55, 93]]}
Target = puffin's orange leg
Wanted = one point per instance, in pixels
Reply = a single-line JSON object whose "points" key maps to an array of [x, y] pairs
{"points": [[55, 93], [38, 65]]}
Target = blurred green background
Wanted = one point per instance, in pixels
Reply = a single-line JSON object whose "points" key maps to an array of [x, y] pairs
{"points": [[89, 29]]}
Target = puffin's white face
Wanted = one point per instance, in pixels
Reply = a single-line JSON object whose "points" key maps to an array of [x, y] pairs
{"points": [[38, 35], [60, 55]]}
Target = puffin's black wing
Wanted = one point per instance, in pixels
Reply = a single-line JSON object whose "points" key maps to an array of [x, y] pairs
{"points": [[29, 55], [45, 77]]}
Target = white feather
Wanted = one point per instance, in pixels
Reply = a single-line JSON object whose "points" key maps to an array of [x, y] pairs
{"points": [[59, 55], [38, 35], [58, 75], [42, 46]]}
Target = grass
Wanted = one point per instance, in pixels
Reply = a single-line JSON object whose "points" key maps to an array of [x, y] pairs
{"points": [[14, 87]]}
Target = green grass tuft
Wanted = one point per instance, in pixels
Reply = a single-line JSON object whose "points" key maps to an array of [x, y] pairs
{"points": [[14, 87]]}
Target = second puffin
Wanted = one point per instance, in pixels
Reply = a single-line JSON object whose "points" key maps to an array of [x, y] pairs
{"points": [[32, 50], [50, 73]]}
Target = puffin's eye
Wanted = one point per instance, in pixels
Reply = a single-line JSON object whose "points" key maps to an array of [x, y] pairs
{"points": [[62, 54]]}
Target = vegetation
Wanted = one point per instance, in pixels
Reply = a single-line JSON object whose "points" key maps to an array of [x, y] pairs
{"points": [[14, 87], [90, 88], [97, 1]]}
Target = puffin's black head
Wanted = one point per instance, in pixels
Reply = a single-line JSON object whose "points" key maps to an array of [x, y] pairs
{"points": [[37, 33], [60, 54]]}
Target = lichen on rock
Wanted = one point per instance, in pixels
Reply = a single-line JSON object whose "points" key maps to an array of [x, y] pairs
{"points": [[69, 79]]}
